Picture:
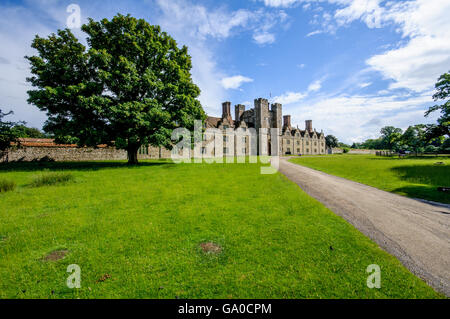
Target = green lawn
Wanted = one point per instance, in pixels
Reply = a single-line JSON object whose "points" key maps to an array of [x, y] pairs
{"points": [[413, 177], [136, 233]]}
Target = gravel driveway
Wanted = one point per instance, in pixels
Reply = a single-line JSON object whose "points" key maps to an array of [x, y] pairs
{"points": [[416, 232]]}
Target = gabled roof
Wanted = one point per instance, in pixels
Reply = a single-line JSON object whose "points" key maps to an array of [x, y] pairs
{"points": [[212, 122]]}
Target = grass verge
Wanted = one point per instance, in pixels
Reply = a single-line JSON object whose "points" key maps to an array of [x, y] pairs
{"points": [[413, 177]]}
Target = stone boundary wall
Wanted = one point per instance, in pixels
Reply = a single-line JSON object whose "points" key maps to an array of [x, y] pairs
{"points": [[366, 152], [353, 151], [77, 154]]}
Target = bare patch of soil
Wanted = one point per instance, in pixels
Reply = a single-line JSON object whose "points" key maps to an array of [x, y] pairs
{"points": [[56, 255], [104, 278], [211, 248]]}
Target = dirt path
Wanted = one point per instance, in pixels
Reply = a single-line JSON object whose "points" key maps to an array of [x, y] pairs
{"points": [[417, 233]]}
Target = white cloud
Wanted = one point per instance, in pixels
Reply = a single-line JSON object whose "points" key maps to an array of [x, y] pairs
{"points": [[289, 98], [280, 3], [196, 26], [368, 11], [315, 86], [15, 38], [418, 64], [364, 85], [264, 38], [294, 97], [357, 118], [234, 82], [199, 22], [423, 54], [314, 33]]}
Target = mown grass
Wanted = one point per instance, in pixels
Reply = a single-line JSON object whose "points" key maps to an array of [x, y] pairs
{"points": [[136, 232], [7, 185], [418, 177]]}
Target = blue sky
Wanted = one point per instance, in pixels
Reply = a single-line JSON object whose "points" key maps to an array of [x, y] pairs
{"points": [[350, 66]]}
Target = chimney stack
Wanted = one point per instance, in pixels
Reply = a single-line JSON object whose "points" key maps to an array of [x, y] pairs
{"points": [[226, 110], [239, 111], [287, 121], [309, 126]]}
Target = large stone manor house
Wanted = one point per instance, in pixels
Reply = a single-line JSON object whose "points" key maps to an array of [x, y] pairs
{"points": [[292, 140]]}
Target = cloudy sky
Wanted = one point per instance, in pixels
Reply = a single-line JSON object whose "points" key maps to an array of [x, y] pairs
{"points": [[350, 66]]}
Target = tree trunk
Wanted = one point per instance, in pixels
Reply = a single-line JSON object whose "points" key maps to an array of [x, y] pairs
{"points": [[133, 155]]}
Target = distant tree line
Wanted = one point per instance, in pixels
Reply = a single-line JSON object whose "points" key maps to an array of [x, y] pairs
{"points": [[421, 138], [11, 132]]}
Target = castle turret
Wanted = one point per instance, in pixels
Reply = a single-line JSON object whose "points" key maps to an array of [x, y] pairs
{"points": [[262, 113], [277, 113]]}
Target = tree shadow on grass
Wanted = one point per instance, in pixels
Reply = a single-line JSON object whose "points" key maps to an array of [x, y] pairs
{"points": [[432, 175], [429, 193], [420, 157], [77, 166], [427, 180]]}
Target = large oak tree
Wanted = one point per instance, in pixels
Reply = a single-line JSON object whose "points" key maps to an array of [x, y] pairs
{"points": [[132, 87]]}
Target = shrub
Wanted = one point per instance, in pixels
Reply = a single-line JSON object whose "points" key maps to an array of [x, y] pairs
{"points": [[431, 149], [52, 179], [6, 186], [346, 150]]}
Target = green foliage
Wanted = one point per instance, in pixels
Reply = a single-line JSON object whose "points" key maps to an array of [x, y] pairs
{"points": [[49, 179], [132, 85], [415, 177], [145, 232], [391, 137], [442, 93], [22, 131], [342, 145], [414, 139], [7, 134], [431, 149], [7, 185], [332, 141], [370, 144], [445, 148], [346, 150]]}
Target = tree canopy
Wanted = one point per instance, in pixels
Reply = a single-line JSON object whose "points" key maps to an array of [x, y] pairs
{"points": [[7, 134], [414, 139], [23, 131], [391, 137], [131, 87], [442, 93], [331, 141]]}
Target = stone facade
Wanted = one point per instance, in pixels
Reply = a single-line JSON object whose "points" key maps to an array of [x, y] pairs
{"points": [[292, 140]]}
